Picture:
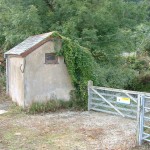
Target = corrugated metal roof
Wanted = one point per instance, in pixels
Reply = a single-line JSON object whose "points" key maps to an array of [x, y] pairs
{"points": [[27, 44]]}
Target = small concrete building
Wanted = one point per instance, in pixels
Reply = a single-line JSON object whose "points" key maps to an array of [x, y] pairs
{"points": [[35, 73]]}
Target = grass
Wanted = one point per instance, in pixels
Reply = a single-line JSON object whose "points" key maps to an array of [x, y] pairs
{"points": [[52, 106]]}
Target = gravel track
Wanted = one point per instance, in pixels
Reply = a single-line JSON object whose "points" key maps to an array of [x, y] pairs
{"points": [[68, 130]]}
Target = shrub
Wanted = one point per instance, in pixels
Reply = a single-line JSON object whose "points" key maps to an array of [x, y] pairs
{"points": [[139, 63], [141, 83], [2, 78], [115, 77]]}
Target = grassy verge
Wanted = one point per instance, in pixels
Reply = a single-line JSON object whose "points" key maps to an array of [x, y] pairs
{"points": [[53, 105]]}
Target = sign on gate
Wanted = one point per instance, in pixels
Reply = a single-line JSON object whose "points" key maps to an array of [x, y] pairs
{"points": [[123, 100], [126, 103]]}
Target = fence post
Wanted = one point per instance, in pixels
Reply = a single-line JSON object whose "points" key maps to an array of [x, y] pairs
{"points": [[140, 118], [90, 84]]}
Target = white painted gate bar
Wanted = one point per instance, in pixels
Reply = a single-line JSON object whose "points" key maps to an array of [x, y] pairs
{"points": [[109, 103]]}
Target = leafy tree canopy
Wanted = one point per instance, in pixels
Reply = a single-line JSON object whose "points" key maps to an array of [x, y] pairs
{"points": [[106, 27]]}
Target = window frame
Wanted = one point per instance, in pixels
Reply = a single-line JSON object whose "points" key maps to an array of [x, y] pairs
{"points": [[55, 61]]}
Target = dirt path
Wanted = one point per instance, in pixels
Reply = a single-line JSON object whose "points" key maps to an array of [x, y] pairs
{"points": [[66, 131]]}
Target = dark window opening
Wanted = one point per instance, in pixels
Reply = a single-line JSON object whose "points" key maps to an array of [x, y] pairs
{"points": [[51, 58]]}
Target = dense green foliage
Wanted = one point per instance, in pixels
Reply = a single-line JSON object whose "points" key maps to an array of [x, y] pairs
{"points": [[107, 28]]}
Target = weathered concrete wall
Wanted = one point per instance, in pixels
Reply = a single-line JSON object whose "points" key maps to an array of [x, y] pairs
{"points": [[16, 79], [45, 81]]}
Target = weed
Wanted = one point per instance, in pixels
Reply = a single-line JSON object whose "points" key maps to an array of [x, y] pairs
{"points": [[14, 108], [52, 106]]}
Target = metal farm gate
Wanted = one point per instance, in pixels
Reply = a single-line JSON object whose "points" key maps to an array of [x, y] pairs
{"points": [[143, 119], [131, 104]]}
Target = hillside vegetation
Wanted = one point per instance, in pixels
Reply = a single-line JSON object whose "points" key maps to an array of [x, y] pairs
{"points": [[104, 28]]}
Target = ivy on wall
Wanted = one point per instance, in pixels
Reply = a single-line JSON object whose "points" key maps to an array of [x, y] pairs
{"points": [[80, 63]]}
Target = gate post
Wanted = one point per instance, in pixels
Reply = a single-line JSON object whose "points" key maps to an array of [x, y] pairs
{"points": [[140, 118], [90, 84]]}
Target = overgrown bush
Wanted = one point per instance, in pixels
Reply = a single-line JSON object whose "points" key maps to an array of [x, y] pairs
{"points": [[2, 78], [115, 77], [139, 63], [81, 66], [141, 83], [3, 96]]}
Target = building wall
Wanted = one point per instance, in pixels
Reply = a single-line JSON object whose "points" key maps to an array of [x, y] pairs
{"points": [[45, 81], [15, 79]]}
